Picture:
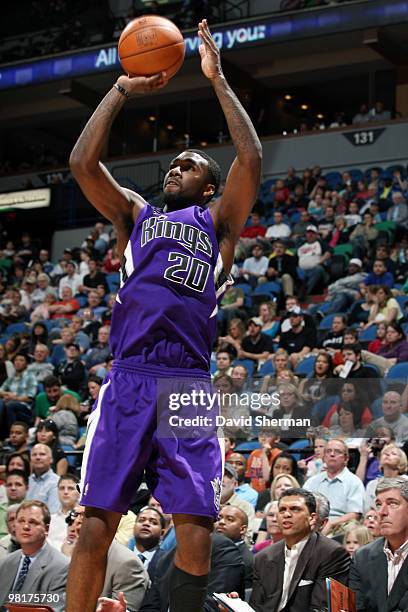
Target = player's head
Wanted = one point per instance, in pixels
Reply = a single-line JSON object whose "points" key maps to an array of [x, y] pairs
{"points": [[193, 178]]}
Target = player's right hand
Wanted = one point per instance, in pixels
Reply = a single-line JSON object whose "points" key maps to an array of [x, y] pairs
{"points": [[141, 84]]}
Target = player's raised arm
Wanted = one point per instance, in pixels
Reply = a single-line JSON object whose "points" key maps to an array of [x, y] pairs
{"points": [[118, 205], [242, 184]]}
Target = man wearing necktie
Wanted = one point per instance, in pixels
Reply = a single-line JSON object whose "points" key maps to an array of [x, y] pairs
{"points": [[148, 532], [36, 569]]}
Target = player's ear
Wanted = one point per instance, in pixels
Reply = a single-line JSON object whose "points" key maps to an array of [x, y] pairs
{"points": [[209, 190]]}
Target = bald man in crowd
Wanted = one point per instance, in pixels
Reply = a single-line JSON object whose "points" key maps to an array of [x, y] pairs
{"points": [[43, 482]]}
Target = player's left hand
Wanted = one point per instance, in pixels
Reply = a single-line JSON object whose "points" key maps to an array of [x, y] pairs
{"points": [[209, 52]]}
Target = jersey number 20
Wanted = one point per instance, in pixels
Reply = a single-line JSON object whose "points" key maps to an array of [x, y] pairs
{"points": [[188, 271]]}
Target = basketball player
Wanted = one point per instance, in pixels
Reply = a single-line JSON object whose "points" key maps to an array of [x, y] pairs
{"points": [[163, 324]]}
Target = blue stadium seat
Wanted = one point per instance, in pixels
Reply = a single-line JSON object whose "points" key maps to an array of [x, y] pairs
{"points": [[82, 299], [390, 169], [398, 372], [247, 363], [321, 408], [247, 447], [333, 178], [305, 367], [326, 323], [368, 334], [267, 368], [299, 444], [113, 280], [15, 328], [376, 409], [213, 366], [356, 174], [402, 300], [247, 289], [270, 287]]}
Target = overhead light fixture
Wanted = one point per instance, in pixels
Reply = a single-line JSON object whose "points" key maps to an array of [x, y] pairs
{"points": [[320, 116], [169, 126], [203, 143], [152, 118], [288, 97], [304, 107]]}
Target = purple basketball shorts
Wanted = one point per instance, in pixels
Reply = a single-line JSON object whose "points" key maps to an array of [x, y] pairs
{"points": [[123, 443]]}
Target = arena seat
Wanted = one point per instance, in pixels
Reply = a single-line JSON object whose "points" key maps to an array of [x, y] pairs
{"points": [[326, 323], [15, 328], [270, 287], [368, 334], [376, 408], [333, 178], [113, 280], [402, 300], [247, 363], [305, 367], [267, 368], [343, 249], [321, 408], [213, 366], [356, 175], [398, 372]]}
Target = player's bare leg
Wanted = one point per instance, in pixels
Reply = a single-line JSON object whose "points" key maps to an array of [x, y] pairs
{"points": [[189, 578], [88, 564]]}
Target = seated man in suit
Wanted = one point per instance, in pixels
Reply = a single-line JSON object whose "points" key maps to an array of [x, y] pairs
{"points": [[290, 575], [37, 567], [379, 570], [148, 532], [226, 574], [233, 524], [124, 572]]}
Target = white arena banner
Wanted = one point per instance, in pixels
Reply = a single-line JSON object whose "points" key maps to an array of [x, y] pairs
{"points": [[25, 200]]}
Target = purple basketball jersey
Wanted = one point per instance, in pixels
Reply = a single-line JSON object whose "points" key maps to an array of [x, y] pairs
{"points": [[166, 307]]}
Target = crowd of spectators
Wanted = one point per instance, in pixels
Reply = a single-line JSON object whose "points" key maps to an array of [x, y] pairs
{"points": [[315, 246]]}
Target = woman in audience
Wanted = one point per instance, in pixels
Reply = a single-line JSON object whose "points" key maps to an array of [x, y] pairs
{"points": [[6, 366], [351, 397], [39, 335], [369, 465], [47, 433], [379, 342], [354, 537], [340, 233], [278, 483], [111, 262], [269, 530], [393, 462], [396, 345], [18, 461], [232, 341], [384, 308], [65, 415], [281, 363], [12, 347], [321, 383], [361, 310], [267, 312], [348, 426]]}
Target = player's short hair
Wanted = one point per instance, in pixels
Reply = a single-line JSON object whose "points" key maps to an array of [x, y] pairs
{"points": [[214, 169]]}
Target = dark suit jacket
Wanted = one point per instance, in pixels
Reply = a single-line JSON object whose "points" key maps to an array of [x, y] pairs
{"points": [[226, 575], [321, 558], [369, 578], [248, 559], [151, 570]]}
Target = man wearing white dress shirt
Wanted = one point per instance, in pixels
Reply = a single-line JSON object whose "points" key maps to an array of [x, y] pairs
{"points": [[68, 496], [279, 229], [290, 575], [379, 570]]}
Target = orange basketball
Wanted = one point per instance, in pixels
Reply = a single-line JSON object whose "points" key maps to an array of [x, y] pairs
{"points": [[151, 44]]}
